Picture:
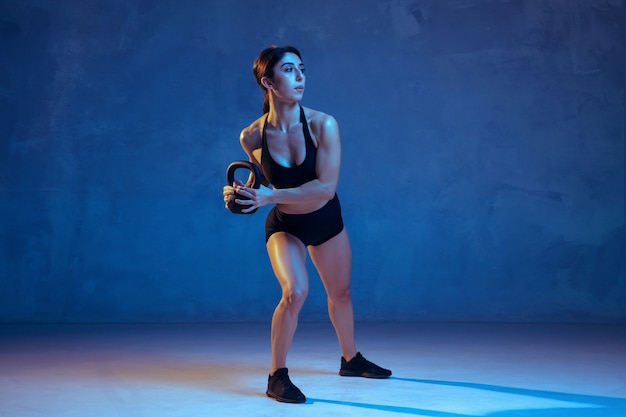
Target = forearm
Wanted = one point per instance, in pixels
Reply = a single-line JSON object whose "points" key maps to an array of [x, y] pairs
{"points": [[314, 190]]}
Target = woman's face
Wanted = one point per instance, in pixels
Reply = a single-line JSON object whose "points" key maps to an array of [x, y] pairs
{"points": [[289, 79]]}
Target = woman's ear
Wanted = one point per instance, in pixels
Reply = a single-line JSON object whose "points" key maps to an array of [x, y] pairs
{"points": [[267, 83]]}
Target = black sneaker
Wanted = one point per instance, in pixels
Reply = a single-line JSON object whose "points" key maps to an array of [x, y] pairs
{"points": [[359, 366], [280, 388]]}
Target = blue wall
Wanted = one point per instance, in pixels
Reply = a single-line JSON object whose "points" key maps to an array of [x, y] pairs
{"points": [[483, 157]]}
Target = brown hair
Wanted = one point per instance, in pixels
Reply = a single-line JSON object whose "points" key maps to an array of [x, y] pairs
{"points": [[264, 67]]}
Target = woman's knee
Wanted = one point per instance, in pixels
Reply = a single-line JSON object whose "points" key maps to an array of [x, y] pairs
{"points": [[294, 297], [340, 295]]}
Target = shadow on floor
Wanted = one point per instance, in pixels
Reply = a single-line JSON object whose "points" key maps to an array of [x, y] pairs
{"points": [[582, 405]]}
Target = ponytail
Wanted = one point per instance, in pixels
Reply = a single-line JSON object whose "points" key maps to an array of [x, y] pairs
{"points": [[266, 102]]}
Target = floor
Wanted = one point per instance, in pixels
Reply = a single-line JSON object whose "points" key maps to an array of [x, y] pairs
{"points": [[440, 370]]}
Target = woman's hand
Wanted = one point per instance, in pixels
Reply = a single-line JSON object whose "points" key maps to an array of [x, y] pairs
{"points": [[254, 197], [230, 190]]}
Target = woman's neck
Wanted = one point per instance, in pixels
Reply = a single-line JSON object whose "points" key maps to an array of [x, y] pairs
{"points": [[284, 116]]}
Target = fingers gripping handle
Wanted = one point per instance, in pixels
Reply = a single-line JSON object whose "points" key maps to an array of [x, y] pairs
{"points": [[230, 178]]}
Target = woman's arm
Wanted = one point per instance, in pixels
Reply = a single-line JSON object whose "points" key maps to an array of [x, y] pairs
{"points": [[328, 163], [249, 138], [327, 167], [250, 142]]}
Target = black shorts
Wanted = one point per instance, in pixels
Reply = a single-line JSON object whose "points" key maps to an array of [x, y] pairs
{"points": [[312, 228]]}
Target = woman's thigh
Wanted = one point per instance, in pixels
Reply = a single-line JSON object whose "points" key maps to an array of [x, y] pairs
{"points": [[288, 258], [333, 261]]}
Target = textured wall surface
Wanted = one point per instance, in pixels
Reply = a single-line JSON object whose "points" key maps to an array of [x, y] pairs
{"points": [[483, 157]]}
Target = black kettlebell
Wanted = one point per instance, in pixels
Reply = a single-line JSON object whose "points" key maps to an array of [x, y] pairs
{"points": [[230, 178]]}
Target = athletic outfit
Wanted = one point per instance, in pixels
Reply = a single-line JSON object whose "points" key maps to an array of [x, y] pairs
{"points": [[312, 228]]}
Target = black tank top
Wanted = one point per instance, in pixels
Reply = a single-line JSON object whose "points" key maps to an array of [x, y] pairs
{"points": [[290, 177]]}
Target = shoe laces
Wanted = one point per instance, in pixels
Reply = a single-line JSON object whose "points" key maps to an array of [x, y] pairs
{"points": [[360, 358], [284, 380]]}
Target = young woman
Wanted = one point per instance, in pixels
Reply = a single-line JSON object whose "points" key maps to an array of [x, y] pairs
{"points": [[299, 152]]}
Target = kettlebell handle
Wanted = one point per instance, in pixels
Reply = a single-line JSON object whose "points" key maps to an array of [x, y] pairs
{"points": [[235, 165], [230, 179]]}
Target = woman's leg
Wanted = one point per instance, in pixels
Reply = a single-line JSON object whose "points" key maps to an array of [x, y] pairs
{"points": [[333, 260], [288, 256]]}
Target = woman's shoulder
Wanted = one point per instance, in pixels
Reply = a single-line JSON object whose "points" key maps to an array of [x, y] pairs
{"points": [[319, 120], [251, 135]]}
